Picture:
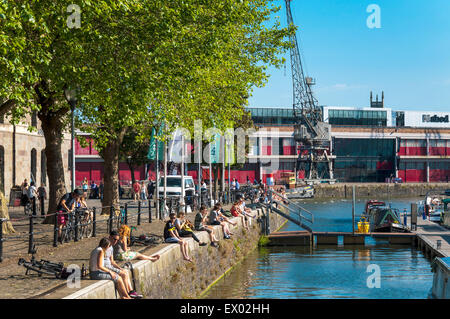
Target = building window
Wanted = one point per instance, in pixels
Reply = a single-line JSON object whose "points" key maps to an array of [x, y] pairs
{"points": [[33, 164], [34, 119], [357, 117], [43, 168], [2, 169]]}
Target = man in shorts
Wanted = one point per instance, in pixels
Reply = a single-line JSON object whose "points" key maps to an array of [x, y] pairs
{"points": [[171, 236], [200, 224], [66, 205], [110, 263]]}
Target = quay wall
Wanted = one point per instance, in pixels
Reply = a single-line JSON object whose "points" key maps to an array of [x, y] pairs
{"points": [[171, 277], [377, 190], [441, 286]]}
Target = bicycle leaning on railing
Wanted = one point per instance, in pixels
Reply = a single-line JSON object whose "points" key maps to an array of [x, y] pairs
{"points": [[79, 225]]}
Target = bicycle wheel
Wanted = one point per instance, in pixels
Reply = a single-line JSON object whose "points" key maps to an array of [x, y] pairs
{"points": [[66, 233], [87, 229]]}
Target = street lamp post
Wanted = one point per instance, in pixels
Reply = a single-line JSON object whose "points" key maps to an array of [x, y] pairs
{"points": [[71, 97]]}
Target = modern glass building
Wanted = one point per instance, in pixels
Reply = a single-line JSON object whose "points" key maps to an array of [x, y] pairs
{"points": [[272, 116], [364, 160]]}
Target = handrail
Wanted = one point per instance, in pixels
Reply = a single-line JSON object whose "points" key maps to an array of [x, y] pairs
{"points": [[287, 203], [296, 212], [290, 202]]}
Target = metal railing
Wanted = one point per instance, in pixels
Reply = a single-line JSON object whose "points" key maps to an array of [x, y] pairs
{"points": [[295, 213]]}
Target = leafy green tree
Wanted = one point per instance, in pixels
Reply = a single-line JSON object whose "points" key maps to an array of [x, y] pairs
{"points": [[134, 150]]}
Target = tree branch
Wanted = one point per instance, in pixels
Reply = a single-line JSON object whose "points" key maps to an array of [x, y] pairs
{"points": [[7, 106]]}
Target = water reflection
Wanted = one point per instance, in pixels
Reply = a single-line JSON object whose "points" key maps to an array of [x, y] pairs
{"points": [[329, 271]]}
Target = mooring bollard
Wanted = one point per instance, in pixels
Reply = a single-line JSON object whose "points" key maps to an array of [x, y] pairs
{"points": [[139, 213], [94, 222], [149, 211], [77, 221], [1, 239], [55, 231], [111, 212], [30, 236], [42, 205], [438, 244], [33, 202]]}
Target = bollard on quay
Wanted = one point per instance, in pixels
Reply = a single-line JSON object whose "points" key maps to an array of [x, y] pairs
{"points": [[77, 221], [139, 213], [149, 211], [55, 231], [94, 222], [30, 236], [1, 239], [111, 212]]}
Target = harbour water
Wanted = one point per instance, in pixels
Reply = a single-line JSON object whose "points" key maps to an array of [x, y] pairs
{"points": [[330, 271]]}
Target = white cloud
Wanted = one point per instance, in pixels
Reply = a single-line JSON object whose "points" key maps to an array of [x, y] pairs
{"points": [[340, 87]]}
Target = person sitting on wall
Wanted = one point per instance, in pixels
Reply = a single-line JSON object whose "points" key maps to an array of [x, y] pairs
{"points": [[123, 253], [200, 224], [236, 212], [111, 264], [171, 236], [245, 210], [216, 218], [97, 270], [184, 228]]}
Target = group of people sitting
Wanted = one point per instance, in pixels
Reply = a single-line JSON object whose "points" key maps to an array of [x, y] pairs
{"points": [[103, 265], [178, 226]]}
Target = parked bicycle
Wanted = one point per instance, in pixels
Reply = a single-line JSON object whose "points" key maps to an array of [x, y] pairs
{"points": [[79, 225], [86, 224]]}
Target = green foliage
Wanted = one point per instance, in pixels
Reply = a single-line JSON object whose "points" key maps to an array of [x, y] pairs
{"points": [[263, 241]]}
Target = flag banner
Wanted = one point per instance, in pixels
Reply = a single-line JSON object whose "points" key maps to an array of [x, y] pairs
{"points": [[151, 155], [175, 149], [215, 149]]}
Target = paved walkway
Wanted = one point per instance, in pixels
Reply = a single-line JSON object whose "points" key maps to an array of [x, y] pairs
{"points": [[15, 284], [432, 232]]}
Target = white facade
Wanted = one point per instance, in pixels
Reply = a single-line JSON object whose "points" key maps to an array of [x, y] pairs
{"points": [[427, 119]]}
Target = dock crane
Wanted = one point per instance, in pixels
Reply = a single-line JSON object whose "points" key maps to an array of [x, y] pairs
{"points": [[312, 136]]}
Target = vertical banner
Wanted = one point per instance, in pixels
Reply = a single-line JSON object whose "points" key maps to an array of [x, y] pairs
{"points": [[215, 149], [151, 155]]}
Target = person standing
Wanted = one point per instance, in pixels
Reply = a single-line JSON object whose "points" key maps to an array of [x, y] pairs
{"points": [[150, 189], [42, 195], [143, 191], [136, 190], [24, 199], [85, 185], [32, 193]]}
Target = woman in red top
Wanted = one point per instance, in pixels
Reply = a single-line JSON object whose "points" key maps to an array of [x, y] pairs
{"points": [[236, 212]]}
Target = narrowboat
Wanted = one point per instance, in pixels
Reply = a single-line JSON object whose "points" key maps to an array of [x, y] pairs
{"points": [[383, 219]]}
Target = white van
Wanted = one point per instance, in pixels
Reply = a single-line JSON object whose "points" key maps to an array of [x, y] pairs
{"points": [[174, 186]]}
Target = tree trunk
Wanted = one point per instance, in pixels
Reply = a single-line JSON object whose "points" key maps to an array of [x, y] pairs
{"points": [[131, 167], [216, 179], [7, 226], [53, 132], [52, 115], [111, 173]]}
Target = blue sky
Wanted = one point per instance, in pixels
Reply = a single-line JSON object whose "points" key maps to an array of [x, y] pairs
{"points": [[408, 57]]}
